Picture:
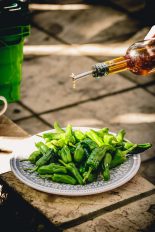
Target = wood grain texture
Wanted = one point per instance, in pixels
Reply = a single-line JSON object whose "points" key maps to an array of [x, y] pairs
{"points": [[8, 128]]}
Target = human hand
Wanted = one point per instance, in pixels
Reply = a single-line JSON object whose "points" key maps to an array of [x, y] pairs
{"points": [[150, 34]]}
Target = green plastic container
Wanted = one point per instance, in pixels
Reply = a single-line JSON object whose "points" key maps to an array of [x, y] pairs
{"points": [[11, 59]]}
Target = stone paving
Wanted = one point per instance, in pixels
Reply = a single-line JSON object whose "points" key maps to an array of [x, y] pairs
{"points": [[118, 101], [126, 217]]}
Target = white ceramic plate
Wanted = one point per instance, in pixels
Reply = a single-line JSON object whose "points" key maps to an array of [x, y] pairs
{"points": [[119, 175]]}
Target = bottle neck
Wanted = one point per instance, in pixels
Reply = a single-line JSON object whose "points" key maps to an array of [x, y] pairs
{"points": [[111, 66]]}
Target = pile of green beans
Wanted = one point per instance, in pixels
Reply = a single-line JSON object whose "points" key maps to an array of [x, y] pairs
{"points": [[73, 157]]}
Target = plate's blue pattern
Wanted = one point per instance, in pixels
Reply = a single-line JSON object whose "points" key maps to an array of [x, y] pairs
{"points": [[119, 176]]}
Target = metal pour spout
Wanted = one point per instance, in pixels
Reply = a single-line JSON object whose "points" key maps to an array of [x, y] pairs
{"points": [[98, 70], [81, 75]]}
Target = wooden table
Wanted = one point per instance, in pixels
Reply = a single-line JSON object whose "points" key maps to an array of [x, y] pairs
{"points": [[128, 208]]}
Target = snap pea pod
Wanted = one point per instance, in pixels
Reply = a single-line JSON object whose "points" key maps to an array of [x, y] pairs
{"points": [[106, 166], [72, 168], [79, 153], [65, 154], [51, 168], [95, 137]]}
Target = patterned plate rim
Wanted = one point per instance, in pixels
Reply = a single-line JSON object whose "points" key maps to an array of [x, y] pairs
{"points": [[32, 184]]}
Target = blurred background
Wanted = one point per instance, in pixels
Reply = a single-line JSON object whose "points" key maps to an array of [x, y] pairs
{"points": [[71, 36]]}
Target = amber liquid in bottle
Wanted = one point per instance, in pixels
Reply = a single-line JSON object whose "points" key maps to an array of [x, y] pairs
{"points": [[139, 59]]}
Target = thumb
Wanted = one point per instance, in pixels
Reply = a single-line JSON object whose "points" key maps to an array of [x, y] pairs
{"points": [[150, 34]]}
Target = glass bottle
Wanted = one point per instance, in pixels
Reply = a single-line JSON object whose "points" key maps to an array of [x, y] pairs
{"points": [[139, 59]]}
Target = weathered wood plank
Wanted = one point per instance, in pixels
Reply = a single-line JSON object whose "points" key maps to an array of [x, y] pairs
{"points": [[8, 128], [147, 170]]}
